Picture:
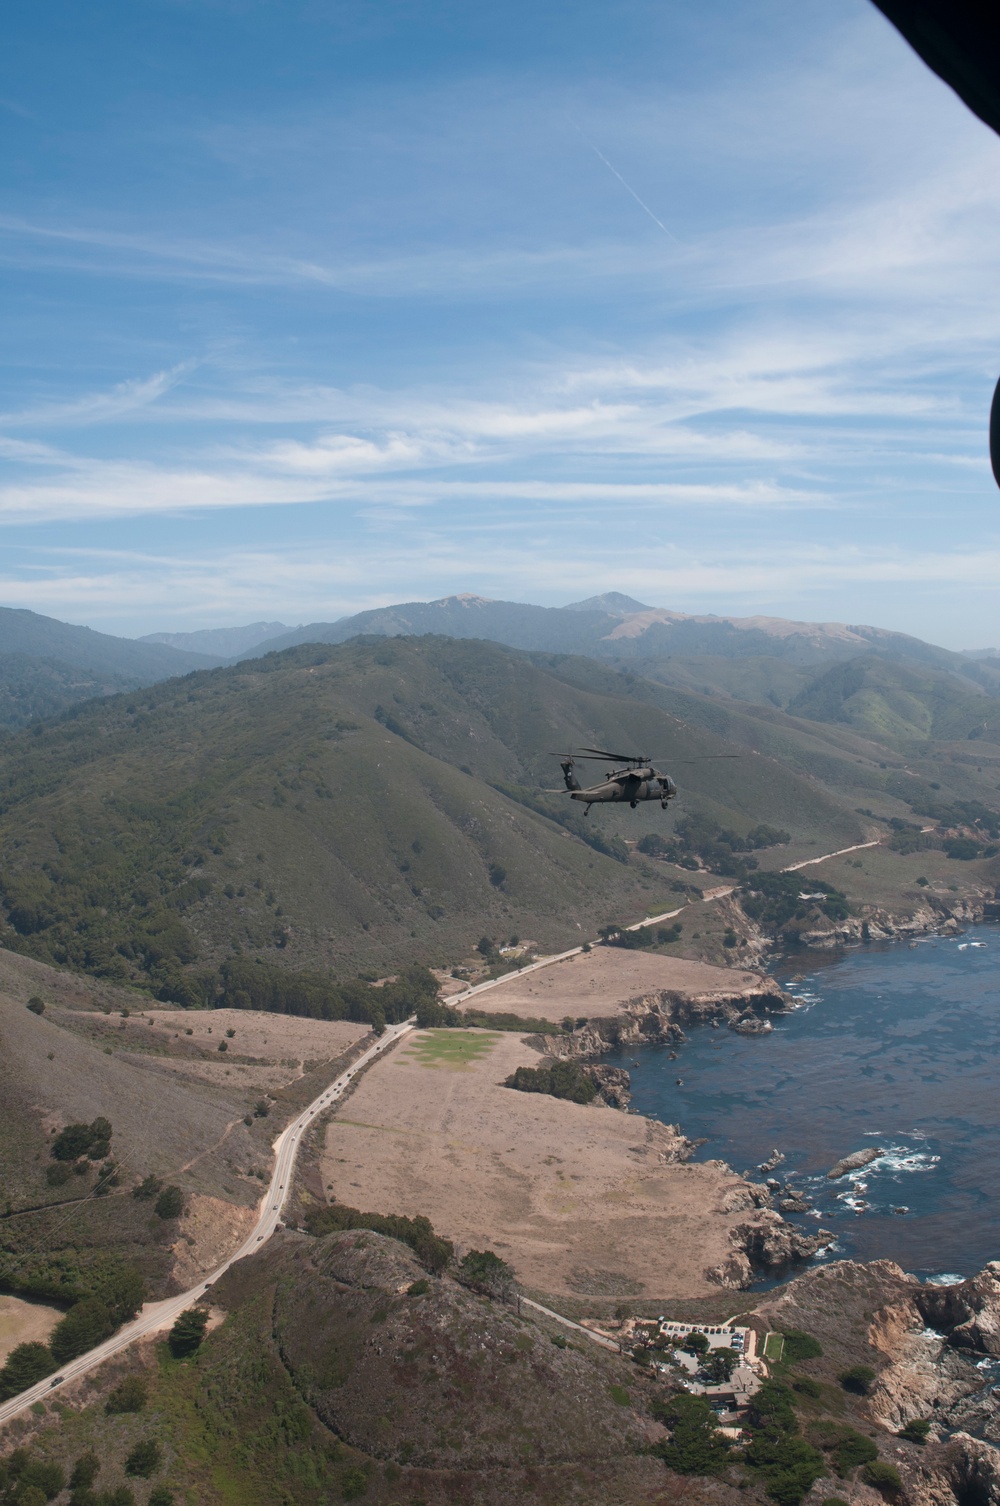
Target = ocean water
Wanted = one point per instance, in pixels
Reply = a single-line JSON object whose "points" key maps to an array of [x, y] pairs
{"points": [[893, 1045]]}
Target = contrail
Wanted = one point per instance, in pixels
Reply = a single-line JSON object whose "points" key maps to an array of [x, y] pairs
{"points": [[632, 191]]}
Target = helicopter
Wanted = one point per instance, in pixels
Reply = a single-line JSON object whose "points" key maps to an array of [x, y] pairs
{"points": [[637, 780]]}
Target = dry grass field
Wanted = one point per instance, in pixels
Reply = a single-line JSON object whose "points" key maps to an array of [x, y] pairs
{"points": [[24, 1322], [580, 1200], [600, 983]]}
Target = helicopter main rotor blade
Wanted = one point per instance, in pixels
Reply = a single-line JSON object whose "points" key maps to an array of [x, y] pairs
{"points": [[706, 756], [617, 757]]}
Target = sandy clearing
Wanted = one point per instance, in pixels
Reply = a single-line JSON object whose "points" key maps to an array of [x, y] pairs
{"points": [[580, 1200], [209, 1228], [600, 983], [24, 1323]]}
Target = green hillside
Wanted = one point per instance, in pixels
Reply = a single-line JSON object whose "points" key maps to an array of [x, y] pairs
{"points": [[31, 688], [898, 704], [348, 807], [47, 665]]}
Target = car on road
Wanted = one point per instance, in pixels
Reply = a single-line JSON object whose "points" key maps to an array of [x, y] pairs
{"points": [[56, 1380]]}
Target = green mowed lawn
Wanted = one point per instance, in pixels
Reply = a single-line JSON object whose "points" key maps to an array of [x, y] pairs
{"points": [[451, 1048]]}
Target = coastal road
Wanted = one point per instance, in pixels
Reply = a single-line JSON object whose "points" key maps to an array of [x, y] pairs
{"points": [[651, 920], [156, 1316]]}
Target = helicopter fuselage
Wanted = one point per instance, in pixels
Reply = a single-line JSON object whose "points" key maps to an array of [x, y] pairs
{"points": [[631, 785]]}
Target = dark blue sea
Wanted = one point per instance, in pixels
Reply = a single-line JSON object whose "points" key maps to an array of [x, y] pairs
{"points": [[894, 1045]]}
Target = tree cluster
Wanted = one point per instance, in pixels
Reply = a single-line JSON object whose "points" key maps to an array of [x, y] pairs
{"points": [[786, 1463], [91, 1140], [696, 1447], [248, 983], [699, 840], [562, 1080], [486, 1273], [431, 1249], [772, 900], [115, 1297]]}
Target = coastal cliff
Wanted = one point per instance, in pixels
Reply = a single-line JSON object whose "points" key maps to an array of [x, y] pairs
{"points": [[661, 1014]]}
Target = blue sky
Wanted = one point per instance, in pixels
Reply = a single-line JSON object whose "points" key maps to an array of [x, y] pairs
{"points": [[310, 306]]}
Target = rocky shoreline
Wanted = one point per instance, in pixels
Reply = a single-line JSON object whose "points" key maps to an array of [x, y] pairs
{"points": [[924, 1343]]}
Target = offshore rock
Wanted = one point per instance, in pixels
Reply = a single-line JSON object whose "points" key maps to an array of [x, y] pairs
{"points": [[751, 1024], [853, 1162]]}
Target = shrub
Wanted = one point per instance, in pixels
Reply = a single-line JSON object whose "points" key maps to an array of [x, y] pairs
{"points": [[619, 1396], [853, 1449], [883, 1476], [107, 1178], [145, 1459], [800, 1346], [806, 1386], [916, 1430], [858, 1378], [148, 1188], [128, 1396], [87, 1324], [58, 1173], [418, 1288], [353, 1484], [85, 1471], [30, 1495], [161, 1496], [188, 1332], [26, 1365], [36, 1005], [170, 1203], [46, 1477]]}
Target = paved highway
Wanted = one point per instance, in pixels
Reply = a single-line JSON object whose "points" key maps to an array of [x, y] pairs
{"points": [[651, 920], [159, 1315]]}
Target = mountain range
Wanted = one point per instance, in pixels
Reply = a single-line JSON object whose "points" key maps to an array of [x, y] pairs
{"points": [[897, 688]]}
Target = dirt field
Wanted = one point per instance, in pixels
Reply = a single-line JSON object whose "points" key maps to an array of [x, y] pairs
{"points": [[579, 1199], [24, 1323], [599, 983]]}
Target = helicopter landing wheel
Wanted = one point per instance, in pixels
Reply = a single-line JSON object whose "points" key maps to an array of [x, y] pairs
{"points": [[663, 805], [633, 803]]}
